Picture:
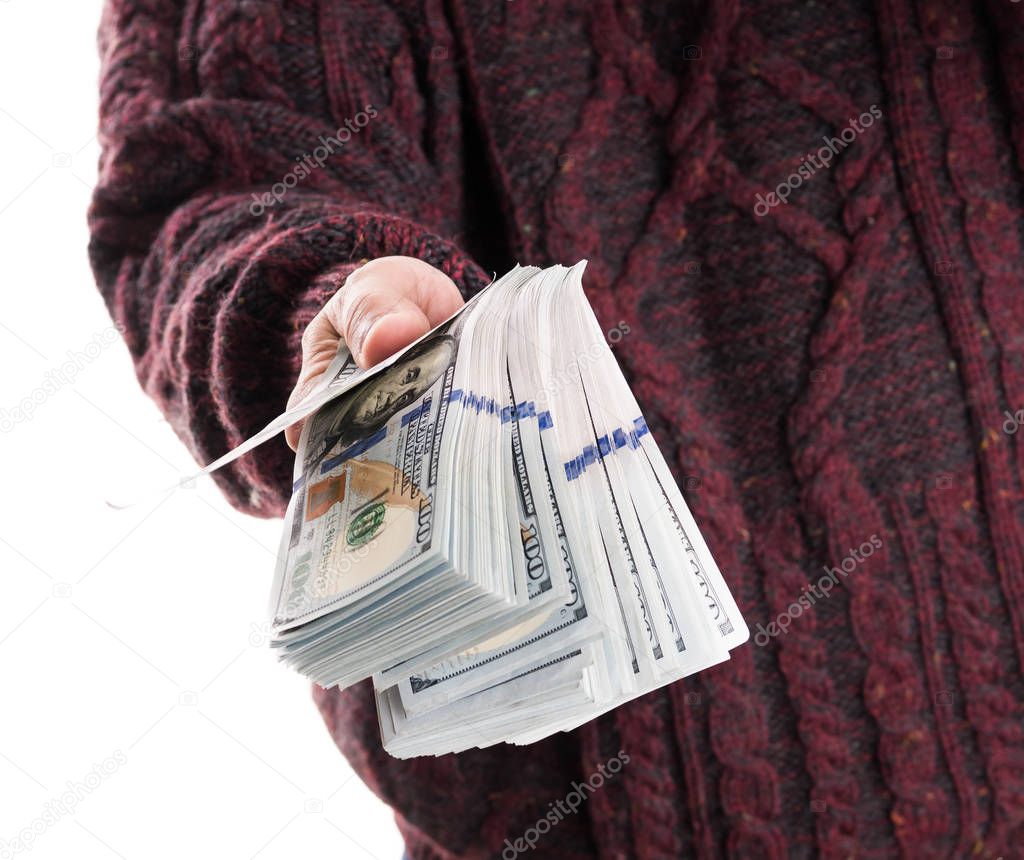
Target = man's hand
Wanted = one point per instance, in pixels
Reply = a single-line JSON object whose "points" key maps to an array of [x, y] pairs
{"points": [[383, 306]]}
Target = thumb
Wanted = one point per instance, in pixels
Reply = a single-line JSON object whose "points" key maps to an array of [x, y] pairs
{"points": [[388, 303], [381, 328], [383, 307]]}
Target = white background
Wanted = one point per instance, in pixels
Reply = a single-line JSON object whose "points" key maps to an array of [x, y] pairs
{"points": [[136, 633]]}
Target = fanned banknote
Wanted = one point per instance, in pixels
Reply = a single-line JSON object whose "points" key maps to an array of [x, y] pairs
{"points": [[485, 525]]}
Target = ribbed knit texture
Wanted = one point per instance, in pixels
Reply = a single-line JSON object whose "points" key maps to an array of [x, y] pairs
{"points": [[836, 369]]}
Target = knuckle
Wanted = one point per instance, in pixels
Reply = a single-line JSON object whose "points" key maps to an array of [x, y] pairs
{"points": [[357, 309], [309, 337], [355, 275], [367, 268]]}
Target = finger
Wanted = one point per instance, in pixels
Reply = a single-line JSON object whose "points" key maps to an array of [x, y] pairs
{"points": [[319, 346]]}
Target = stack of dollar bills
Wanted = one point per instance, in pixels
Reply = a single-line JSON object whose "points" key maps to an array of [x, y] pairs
{"points": [[485, 526]]}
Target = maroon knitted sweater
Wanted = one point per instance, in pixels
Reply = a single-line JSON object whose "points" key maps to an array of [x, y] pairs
{"points": [[809, 215]]}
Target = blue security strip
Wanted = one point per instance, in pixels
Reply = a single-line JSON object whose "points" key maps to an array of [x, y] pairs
{"points": [[472, 400], [574, 468], [544, 420], [620, 438], [354, 450], [413, 414], [526, 409]]}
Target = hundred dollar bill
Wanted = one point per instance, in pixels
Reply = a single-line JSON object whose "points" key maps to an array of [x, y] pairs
{"points": [[501, 653], [362, 506]]}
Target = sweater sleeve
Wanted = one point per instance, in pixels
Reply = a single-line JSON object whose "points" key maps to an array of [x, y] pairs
{"points": [[253, 155]]}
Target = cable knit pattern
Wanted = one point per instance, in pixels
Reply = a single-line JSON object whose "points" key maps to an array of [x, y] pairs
{"points": [[834, 368], [986, 682], [826, 731]]}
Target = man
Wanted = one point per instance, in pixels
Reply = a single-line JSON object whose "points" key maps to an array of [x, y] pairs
{"points": [[828, 365]]}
